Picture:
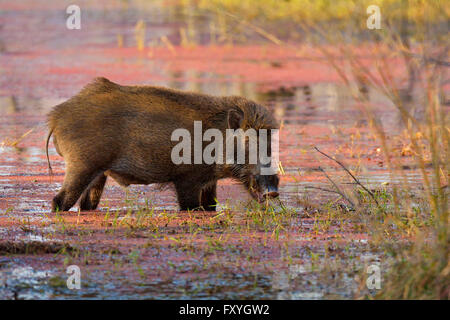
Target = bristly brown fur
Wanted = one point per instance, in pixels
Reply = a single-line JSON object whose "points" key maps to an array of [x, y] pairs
{"points": [[123, 132]]}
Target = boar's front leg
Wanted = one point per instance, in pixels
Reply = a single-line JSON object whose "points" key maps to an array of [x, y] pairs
{"points": [[91, 196], [209, 197], [193, 196], [188, 194]]}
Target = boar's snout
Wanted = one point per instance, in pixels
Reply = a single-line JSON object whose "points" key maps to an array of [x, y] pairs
{"points": [[267, 186], [271, 194]]}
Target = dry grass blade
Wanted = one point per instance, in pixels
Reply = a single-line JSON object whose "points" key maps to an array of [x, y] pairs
{"points": [[9, 143], [351, 175], [260, 31], [338, 190]]}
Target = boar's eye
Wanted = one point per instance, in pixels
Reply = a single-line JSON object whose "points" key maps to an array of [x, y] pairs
{"points": [[235, 118]]}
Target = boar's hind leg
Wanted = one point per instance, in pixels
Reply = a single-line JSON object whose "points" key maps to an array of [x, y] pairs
{"points": [[75, 181], [208, 198], [91, 196]]}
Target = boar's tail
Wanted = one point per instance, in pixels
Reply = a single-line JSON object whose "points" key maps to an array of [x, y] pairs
{"points": [[46, 151]]}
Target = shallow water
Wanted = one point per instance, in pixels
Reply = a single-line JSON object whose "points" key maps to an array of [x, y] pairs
{"points": [[43, 63]]}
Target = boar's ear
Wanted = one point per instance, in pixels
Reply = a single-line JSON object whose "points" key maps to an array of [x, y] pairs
{"points": [[235, 118]]}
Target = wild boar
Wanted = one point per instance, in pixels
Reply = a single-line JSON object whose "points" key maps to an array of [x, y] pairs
{"points": [[125, 132]]}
